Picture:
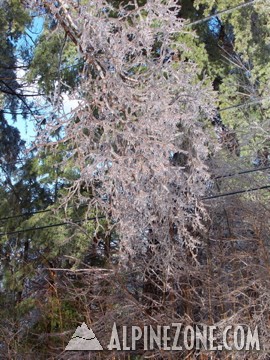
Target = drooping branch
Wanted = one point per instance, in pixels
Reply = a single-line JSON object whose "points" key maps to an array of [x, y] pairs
{"points": [[134, 103], [63, 15]]}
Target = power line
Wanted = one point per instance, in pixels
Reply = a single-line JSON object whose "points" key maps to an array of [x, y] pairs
{"points": [[227, 11], [216, 178], [33, 213], [24, 214], [224, 109], [50, 226], [246, 171], [103, 217], [235, 192], [245, 104], [241, 172]]}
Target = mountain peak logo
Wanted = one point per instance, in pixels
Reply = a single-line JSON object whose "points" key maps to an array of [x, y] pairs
{"points": [[84, 339]]}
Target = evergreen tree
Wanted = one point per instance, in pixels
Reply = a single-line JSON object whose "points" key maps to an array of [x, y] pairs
{"points": [[14, 19], [115, 226]]}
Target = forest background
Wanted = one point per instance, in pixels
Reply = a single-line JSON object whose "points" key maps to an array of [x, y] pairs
{"points": [[141, 195]]}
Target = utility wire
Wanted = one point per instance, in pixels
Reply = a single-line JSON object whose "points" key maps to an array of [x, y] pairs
{"points": [[246, 171], [103, 217], [241, 172], [216, 178], [33, 213], [220, 110], [50, 226], [227, 11], [235, 192], [245, 104], [24, 214]]}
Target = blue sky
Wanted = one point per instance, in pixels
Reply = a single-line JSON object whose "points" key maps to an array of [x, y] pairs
{"points": [[26, 127]]}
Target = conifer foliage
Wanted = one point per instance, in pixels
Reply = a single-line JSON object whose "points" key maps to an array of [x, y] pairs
{"points": [[147, 233]]}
